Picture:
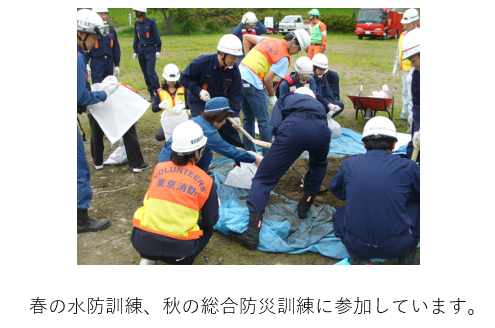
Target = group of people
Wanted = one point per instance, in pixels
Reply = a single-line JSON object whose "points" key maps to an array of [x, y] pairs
{"points": [[216, 88]]}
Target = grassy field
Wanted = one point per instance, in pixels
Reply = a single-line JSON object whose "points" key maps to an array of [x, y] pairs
{"points": [[357, 61]]}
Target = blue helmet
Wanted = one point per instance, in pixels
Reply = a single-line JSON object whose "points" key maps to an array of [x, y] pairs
{"points": [[218, 104]]}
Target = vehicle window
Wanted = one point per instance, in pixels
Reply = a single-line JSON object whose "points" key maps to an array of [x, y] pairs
{"points": [[370, 16], [288, 19]]}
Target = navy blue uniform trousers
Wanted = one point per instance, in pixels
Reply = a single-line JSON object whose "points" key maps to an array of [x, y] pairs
{"points": [[101, 67], [295, 135], [147, 61]]}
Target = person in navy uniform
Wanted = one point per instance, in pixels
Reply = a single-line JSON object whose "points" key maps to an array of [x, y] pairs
{"points": [[320, 64], [382, 194], [105, 54], [249, 25], [217, 75], [147, 47], [299, 123], [89, 27]]}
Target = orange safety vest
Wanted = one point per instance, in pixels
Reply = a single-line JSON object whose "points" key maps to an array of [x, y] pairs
{"points": [[165, 95], [173, 201], [266, 53]]}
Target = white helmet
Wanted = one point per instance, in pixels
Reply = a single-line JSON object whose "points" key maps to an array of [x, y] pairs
{"points": [[100, 10], [305, 91], [379, 127], [321, 61], [304, 67], [143, 10], [411, 15], [90, 22], [251, 18], [230, 44], [303, 38], [410, 44], [187, 137], [171, 73]]}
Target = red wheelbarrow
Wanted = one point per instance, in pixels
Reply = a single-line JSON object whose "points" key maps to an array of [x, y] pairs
{"points": [[369, 106]]}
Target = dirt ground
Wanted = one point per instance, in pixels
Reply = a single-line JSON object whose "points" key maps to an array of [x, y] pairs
{"points": [[118, 192]]}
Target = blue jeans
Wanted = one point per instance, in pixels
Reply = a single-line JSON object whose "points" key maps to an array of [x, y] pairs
{"points": [[254, 105], [84, 191]]}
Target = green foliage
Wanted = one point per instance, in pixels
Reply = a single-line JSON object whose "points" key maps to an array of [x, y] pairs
{"points": [[128, 31], [213, 25], [339, 23], [277, 15]]}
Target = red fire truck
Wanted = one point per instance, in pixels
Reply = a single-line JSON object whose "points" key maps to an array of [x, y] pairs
{"points": [[379, 22]]}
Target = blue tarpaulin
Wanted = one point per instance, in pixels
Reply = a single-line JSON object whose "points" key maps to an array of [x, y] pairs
{"points": [[282, 230]]}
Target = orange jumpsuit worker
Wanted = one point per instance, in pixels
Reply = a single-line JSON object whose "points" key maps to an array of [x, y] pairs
{"points": [[318, 34]]}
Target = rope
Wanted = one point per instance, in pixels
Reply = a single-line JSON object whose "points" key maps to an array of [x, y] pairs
{"points": [[99, 192]]}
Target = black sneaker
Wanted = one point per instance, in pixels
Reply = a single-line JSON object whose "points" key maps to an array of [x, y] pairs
{"points": [[143, 166]]}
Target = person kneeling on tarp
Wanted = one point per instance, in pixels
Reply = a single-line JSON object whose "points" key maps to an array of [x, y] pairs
{"points": [[381, 218], [167, 228]]}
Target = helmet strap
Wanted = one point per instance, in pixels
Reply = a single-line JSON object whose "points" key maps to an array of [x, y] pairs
{"points": [[84, 41]]}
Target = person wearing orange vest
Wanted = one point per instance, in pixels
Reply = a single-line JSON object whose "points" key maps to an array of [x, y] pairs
{"points": [[318, 33], [410, 22], [268, 58], [167, 227], [171, 95]]}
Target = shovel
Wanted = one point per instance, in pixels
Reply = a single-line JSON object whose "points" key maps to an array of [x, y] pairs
{"points": [[262, 144]]}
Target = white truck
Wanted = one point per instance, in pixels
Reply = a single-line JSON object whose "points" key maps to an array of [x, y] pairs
{"points": [[291, 23]]}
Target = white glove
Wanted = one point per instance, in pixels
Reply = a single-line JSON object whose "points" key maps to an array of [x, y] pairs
{"points": [[272, 100], [334, 108], [134, 57], [164, 104], [243, 20], [237, 120], [158, 55], [395, 71], [117, 71], [409, 76], [179, 108], [88, 69], [415, 139], [109, 89], [204, 95]]}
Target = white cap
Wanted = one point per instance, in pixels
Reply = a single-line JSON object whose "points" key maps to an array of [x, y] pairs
{"points": [[230, 44], [187, 137], [379, 126]]}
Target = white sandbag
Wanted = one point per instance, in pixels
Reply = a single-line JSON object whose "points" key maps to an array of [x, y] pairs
{"points": [[241, 177], [382, 93], [335, 127], [170, 120], [304, 154], [120, 111], [119, 156]]}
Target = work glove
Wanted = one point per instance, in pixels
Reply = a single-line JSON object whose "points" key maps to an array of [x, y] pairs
{"points": [[409, 76], [415, 139], [272, 100], [237, 120], [395, 70], [109, 89], [158, 55], [179, 107], [204, 95], [134, 57], [243, 20], [164, 104], [88, 69], [334, 108], [117, 71]]}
